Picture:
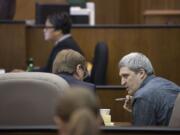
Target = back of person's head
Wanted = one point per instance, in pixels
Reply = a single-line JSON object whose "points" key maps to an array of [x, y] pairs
{"points": [[76, 98], [83, 123], [67, 61], [61, 22], [77, 111], [136, 61]]}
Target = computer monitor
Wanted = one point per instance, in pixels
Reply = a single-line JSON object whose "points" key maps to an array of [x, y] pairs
{"points": [[45, 9]]}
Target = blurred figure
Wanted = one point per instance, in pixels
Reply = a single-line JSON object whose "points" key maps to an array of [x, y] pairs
{"points": [[71, 65], [83, 122], [57, 29], [77, 112], [7, 9], [152, 98]]}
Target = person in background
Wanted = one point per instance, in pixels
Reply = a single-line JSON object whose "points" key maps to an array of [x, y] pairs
{"points": [[57, 29], [71, 66], [152, 98], [77, 112]]}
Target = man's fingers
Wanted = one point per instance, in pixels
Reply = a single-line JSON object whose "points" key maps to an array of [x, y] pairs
{"points": [[127, 103], [127, 108]]}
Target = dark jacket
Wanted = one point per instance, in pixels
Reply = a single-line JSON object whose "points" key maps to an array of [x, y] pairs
{"points": [[68, 43], [75, 82], [154, 101]]}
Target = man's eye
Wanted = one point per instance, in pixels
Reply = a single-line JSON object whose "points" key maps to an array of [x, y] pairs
{"points": [[125, 76]]}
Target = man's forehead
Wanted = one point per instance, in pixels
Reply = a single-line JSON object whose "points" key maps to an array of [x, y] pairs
{"points": [[125, 70]]}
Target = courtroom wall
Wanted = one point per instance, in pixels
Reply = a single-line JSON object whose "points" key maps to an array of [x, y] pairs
{"points": [[161, 45], [12, 46], [107, 11]]}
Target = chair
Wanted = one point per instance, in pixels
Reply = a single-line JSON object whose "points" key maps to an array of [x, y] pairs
{"points": [[175, 117], [100, 61], [29, 98]]}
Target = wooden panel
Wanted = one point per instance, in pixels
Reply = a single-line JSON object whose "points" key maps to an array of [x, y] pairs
{"points": [[107, 98], [25, 9], [111, 130], [139, 131], [12, 46], [160, 6], [117, 11], [161, 45], [37, 47], [107, 11], [162, 16]]}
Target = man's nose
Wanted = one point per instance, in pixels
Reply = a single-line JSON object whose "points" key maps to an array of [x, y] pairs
{"points": [[123, 81]]}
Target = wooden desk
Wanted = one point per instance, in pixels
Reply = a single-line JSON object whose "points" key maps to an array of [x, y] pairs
{"points": [[119, 130], [122, 124], [112, 130], [107, 95]]}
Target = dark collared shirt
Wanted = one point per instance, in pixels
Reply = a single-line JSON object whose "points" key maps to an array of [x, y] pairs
{"points": [[67, 43], [154, 101], [72, 81]]}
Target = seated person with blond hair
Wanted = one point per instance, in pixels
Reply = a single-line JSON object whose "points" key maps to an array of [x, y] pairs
{"points": [[77, 112], [71, 66]]}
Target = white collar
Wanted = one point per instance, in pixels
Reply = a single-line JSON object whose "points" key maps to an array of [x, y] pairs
{"points": [[62, 38]]}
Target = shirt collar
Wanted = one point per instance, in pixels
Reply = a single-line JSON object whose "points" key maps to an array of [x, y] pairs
{"points": [[148, 78], [62, 38]]}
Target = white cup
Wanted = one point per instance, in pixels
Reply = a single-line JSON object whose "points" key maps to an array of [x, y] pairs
{"points": [[105, 114], [105, 111]]}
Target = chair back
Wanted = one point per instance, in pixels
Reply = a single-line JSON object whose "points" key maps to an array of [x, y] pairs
{"points": [[175, 117], [100, 61], [29, 98]]}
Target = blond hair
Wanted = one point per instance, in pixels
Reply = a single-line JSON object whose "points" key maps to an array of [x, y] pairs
{"points": [[67, 61], [76, 98]]}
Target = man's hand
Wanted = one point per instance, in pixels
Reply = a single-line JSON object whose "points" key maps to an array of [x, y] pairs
{"points": [[128, 103]]}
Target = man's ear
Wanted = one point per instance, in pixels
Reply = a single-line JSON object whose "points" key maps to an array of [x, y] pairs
{"points": [[77, 73], [78, 68], [142, 73]]}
